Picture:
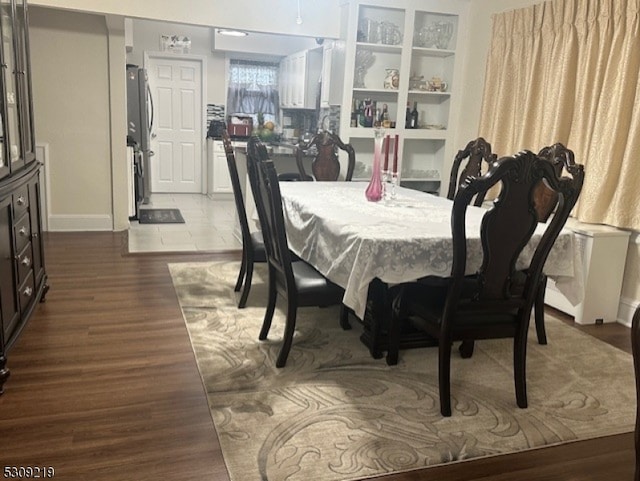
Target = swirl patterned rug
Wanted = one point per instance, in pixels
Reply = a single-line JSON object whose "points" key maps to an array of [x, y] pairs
{"points": [[334, 413]]}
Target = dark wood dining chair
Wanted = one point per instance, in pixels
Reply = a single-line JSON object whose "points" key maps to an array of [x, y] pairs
{"points": [[635, 348], [476, 153], [298, 283], [252, 242], [326, 164], [492, 303], [545, 199]]}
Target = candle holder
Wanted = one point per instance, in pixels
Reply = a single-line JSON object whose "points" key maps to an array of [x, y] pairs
{"points": [[386, 179], [393, 184]]}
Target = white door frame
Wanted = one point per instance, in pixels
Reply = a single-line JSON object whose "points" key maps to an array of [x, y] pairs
{"points": [[203, 81]]}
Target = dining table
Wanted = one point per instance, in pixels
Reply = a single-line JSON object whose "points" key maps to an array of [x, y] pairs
{"points": [[367, 247]]}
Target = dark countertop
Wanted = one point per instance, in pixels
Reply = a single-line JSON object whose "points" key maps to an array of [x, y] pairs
{"points": [[277, 149]]}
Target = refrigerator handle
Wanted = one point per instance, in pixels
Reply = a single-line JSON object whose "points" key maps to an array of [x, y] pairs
{"points": [[152, 110]]}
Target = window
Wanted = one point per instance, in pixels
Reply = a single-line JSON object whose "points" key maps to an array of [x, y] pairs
{"points": [[253, 89]]}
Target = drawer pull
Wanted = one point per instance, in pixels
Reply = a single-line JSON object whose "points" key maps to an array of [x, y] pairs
{"points": [[28, 291], [21, 200], [26, 261], [23, 231]]}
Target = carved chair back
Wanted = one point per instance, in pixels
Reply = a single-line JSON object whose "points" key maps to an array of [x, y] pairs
{"points": [[476, 152], [326, 164]]}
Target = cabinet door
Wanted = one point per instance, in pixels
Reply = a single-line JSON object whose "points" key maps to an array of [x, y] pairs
{"points": [[36, 238], [327, 54], [285, 83], [8, 283], [298, 79], [23, 80], [221, 178], [12, 149]]}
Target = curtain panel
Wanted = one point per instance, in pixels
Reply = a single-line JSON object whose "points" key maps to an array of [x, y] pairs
{"points": [[568, 71], [253, 88]]}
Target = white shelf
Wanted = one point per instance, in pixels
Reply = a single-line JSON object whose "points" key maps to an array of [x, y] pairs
{"points": [[381, 47], [433, 52], [430, 93], [390, 92]]}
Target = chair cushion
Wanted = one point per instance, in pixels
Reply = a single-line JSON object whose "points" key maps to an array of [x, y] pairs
{"points": [[313, 288], [257, 243], [425, 305]]}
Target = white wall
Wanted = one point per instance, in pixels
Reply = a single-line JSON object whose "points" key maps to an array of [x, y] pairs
{"points": [[146, 37], [319, 16], [70, 78]]}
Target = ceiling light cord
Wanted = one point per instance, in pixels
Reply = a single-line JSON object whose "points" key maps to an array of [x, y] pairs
{"points": [[299, 17]]}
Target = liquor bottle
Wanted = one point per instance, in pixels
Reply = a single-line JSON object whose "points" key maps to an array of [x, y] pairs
{"points": [[414, 116], [386, 121], [407, 117], [354, 114]]}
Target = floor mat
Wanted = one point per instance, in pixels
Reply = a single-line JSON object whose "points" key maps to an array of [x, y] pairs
{"points": [[160, 216]]}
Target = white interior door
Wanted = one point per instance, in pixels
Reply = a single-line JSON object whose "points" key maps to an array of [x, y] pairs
{"points": [[177, 133]]}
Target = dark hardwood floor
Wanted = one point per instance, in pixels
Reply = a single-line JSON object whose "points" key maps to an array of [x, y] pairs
{"points": [[104, 384]]}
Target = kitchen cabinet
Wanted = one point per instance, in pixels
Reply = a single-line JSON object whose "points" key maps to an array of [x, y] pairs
{"points": [[219, 178], [299, 79], [332, 74], [400, 54], [23, 279]]}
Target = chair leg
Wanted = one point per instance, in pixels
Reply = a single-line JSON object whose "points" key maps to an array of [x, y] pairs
{"points": [[289, 330], [247, 284], [393, 340], [243, 268], [519, 367], [539, 311], [444, 375], [466, 348], [271, 306], [344, 317]]}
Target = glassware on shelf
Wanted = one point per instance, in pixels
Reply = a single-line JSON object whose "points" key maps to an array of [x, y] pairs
{"points": [[368, 30], [390, 33], [374, 191], [435, 35], [364, 60]]}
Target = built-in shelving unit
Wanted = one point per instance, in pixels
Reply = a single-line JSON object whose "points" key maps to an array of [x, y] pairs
{"points": [[419, 41]]}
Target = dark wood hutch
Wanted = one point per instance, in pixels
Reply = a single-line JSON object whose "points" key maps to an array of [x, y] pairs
{"points": [[23, 280]]}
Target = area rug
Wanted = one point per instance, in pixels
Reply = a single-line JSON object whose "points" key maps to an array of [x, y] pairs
{"points": [[335, 414], [160, 216]]}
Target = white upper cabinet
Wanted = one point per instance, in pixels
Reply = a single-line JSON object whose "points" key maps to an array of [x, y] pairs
{"points": [[332, 74], [299, 79]]}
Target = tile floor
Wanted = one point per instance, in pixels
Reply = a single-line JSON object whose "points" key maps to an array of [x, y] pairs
{"points": [[210, 225]]}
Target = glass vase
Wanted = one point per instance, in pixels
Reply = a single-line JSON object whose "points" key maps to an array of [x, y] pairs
{"points": [[374, 190]]}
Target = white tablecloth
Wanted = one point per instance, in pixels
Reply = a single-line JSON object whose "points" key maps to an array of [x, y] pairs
{"points": [[352, 241]]}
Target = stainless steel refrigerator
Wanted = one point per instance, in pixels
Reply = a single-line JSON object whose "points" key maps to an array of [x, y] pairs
{"points": [[140, 122]]}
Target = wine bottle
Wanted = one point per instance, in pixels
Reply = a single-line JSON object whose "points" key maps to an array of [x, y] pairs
{"points": [[414, 116], [407, 117]]}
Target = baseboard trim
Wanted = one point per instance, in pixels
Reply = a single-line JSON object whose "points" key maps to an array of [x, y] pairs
{"points": [[80, 223]]}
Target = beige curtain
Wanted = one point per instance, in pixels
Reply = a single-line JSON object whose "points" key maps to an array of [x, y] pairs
{"points": [[568, 71]]}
